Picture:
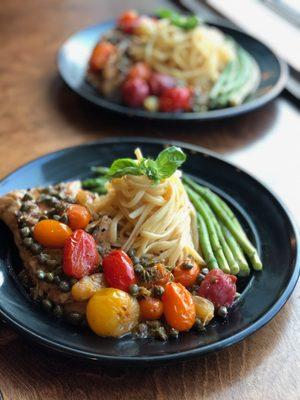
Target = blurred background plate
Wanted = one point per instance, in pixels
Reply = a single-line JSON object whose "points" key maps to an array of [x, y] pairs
{"points": [[262, 215], [74, 54]]}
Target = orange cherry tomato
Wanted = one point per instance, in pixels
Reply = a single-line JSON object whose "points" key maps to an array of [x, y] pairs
{"points": [[163, 275], [140, 70], [100, 55], [150, 308], [179, 308], [51, 233], [78, 216], [187, 277]]}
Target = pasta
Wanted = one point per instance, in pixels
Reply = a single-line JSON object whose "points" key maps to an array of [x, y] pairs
{"points": [[156, 219], [197, 57]]}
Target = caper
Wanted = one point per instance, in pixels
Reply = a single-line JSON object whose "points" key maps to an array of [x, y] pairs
{"points": [[200, 278], [42, 217], [64, 286], [58, 311], [51, 263], [40, 274], [135, 260], [60, 206], [100, 249], [173, 333], [138, 268], [154, 324], [56, 217], [47, 304], [27, 196], [144, 261], [69, 199], [64, 219], [198, 325], [237, 295], [222, 312], [26, 206], [161, 333], [49, 277], [42, 258], [131, 253], [158, 291], [204, 271], [25, 231], [73, 281], [187, 265], [56, 279], [36, 248], [74, 318], [28, 241], [134, 289], [22, 222]]}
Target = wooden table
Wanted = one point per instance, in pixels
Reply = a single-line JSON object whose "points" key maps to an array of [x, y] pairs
{"points": [[39, 114]]}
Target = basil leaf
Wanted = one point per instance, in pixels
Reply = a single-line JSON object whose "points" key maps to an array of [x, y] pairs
{"points": [[123, 166], [169, 160], [149, 168], [182, 21]]}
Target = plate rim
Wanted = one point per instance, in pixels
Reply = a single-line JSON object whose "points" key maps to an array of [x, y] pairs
{"points": [[192, 353], [121, 109]]}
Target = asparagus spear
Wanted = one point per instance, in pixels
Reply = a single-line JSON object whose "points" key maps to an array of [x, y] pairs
{"points": [[244, 269], [235, 230], [205, 244], [215, 243], [207, 193]]}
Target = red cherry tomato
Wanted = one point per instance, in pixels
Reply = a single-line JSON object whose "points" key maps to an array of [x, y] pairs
{"points": [[139, 70], [128, 21], [80, 257], [219, 288], [160, 82], [134, 92], [118, 270], [176, 99]]}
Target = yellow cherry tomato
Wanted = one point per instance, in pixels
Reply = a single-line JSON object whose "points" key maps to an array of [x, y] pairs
{"points": [[204, 309], [51, 233], [112, 312]]}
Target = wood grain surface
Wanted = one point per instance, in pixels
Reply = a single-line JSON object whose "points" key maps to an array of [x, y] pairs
{"points": [[39, 114]]}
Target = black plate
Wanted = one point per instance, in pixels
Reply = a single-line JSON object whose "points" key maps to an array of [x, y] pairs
{"points": [[74, 54], [260, 212]]}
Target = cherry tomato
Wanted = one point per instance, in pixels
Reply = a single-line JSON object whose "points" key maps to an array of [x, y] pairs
{"points": [[139, 70], [160, 82], [128, 21], [112, 312], [187, 277], [179, 308], [219, 288], [80, 257], [134, 92], [78, 216], [176, 99], [100, 55], [51, 233], [150, 308], [118, 270]]}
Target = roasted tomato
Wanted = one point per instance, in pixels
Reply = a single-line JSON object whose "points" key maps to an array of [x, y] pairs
{"points": [[80, 256], [100, 55], [139, 70], [219, 288], [160, 82], [186, 273], [118, 270], [150, 308], [179, 308], [112, 312], [204, 309], [78, 216], [51, 233], [128, 21], [176, 99], [134, 92]]}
